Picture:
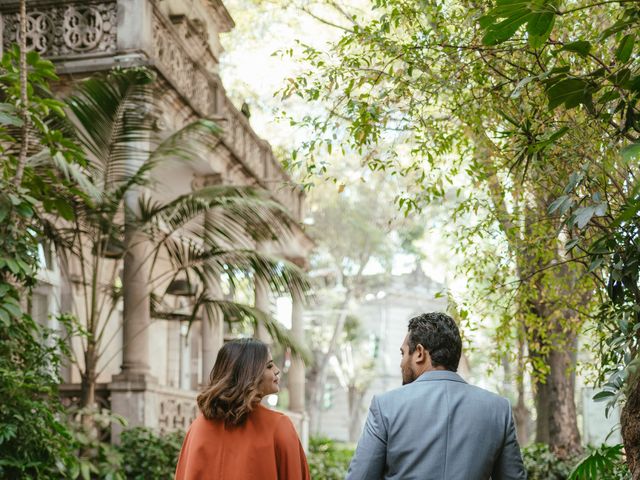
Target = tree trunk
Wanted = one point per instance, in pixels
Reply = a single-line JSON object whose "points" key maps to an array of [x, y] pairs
{"points": [[630, 423], [24, 103], [88, 383], [543, 411], [555, 404], [521, 412]]}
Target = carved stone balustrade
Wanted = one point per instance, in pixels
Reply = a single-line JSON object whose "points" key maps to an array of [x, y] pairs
{"points": [[174, 60], [66, 30], [256, 156], [176, 409]]}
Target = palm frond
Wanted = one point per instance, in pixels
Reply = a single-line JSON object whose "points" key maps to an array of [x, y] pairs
{"points": [[209, 262], [239, 312], [237, 215], [109, 114], [195, 141], [71, 171]]}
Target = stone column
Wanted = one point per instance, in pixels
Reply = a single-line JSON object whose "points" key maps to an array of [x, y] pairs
{"points": [[296, 375], [212, 323], [136, 315], [133, 389], [296, 372], [212, 337], [261, 291]]}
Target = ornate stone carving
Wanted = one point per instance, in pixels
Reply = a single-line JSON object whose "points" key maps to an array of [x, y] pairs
{"points": [[39, 32], [176, 414], [179, 68], [83, 28], [67, 30]]}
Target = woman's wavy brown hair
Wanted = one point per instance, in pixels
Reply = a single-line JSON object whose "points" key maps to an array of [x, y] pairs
{"points": [[233, 392]]}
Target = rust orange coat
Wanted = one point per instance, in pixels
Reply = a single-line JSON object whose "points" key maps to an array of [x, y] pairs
{"points": [[265, 447]]}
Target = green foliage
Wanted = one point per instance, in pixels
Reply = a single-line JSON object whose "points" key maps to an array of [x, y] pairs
{"points": [[606, 461], [34, 440], [504, 20], [145, 454], [541, 464], [328, 460], [97, 458]]}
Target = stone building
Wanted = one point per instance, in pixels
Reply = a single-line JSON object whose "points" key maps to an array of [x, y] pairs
{"points": [[155, 369]]}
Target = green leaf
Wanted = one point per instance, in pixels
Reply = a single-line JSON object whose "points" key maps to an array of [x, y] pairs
{"points": [[9, 115], [631, 152], [570, 91], [595, 264], [571, 243], [581, 47], [4, 210], [13, 265], [625, 48], [503, 31], [521, 84], [12, 309], [539, 28], [555, 205], [5, 319], [64, 209], [603, 395], [583, 215]]}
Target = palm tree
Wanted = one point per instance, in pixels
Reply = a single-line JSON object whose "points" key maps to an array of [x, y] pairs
{"points": [[195, 237]]}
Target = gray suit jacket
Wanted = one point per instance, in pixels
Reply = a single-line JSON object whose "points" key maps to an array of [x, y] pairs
{"points": [[438, 428]]}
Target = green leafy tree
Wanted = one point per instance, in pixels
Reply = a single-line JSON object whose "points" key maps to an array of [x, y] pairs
{"points": [[593, 74], [418, 75]]}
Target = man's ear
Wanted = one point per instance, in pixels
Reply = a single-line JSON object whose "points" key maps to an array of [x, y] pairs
{"points": [[421, 354]]}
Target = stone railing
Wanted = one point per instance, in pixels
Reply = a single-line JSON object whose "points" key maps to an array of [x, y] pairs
{"points": [[70, 394], [69, 29], [175, 63], [257, 157], [176, 408]]}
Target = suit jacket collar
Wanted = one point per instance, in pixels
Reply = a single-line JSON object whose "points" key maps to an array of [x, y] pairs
{"points": [[440, 375]]}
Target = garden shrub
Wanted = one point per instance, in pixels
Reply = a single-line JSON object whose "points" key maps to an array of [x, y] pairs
{"points": [[146, 454], [542, 464], [328, 460], [606, 461], [34, 440]]}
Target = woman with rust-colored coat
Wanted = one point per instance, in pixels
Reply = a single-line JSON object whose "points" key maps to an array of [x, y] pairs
{"points": [[235, 437]]}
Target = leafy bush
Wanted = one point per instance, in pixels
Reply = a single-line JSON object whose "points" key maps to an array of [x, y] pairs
{"points": [[542, 464], [91, 432], [328, 460], [34, 440], [603, 462], [146, 454]]}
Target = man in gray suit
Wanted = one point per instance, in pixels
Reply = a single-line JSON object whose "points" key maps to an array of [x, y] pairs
{"points": [[436, 426]]}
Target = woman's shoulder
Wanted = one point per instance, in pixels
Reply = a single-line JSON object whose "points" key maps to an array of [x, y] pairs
{"points": [[278, 420], [201, 423], [280, 423], [268, 413]]}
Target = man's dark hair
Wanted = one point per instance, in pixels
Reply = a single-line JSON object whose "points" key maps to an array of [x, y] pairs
{"points": [[439, 335]]}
